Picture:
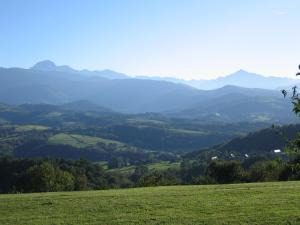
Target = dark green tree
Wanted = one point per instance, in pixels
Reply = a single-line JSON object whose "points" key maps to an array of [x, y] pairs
{"points": [[139, 172], [266, 171], [226, 172], [48, 177]]}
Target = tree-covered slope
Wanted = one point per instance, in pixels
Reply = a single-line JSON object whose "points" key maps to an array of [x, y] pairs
{"points": [[259, 143], [152, 132]]}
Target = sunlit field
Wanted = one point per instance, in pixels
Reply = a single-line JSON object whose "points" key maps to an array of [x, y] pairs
{"points": [[259, 203]]}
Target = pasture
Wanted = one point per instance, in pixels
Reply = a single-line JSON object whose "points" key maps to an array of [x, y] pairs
{"points": [[255, 203]]}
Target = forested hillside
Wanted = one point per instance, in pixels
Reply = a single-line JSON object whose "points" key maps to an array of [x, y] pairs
{"points": [[140, 150], [64, 131], [259, 143]]}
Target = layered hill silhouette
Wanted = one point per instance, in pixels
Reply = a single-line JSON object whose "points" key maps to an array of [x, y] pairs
{"points": [[48, 65], [48, 83], [239, 78], [246, 79]]}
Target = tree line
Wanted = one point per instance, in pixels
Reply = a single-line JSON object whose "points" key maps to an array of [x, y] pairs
{"points": [[50, 175]]}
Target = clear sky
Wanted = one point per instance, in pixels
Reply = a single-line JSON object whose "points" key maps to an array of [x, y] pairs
{"points": [[182, 38]]}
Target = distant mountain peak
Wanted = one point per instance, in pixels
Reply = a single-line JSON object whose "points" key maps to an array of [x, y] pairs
{"points": [[45, 64], [243, 78], [48, 65], [242, 72]]}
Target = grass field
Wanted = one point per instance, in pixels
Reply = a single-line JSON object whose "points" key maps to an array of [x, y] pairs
{"points": [[24, 128], [188, 132], [80, 141], [163, 165], [258, 203]]}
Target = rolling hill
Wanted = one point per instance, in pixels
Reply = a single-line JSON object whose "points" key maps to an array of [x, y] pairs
{"points": [[56, 131], [263, 141], [240, 107], [259, 143]]}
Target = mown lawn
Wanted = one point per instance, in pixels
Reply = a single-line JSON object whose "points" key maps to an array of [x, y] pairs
{"points": [[260, 203]]}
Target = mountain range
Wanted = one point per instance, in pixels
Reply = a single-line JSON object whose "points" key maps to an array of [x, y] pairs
{"points": [[246, 79], [48, 83], [48, 65], [240, 78]]}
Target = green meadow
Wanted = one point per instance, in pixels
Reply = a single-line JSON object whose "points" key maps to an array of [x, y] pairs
{"points": [[255, 203], [163, 165], [24, 128], [80, 141]]}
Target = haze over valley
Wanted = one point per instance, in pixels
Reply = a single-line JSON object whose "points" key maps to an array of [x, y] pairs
{"points": [[235, 96], [149, 112]]}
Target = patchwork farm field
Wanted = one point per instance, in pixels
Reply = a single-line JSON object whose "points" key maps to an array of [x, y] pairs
{"points": [[80, 141], [163, 165], [256, 203]]}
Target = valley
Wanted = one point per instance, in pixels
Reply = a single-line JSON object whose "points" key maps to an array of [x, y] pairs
{"points": [[149, 112]]}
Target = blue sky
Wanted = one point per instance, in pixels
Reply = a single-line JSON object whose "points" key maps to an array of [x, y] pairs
{"points": [[182, 38]]}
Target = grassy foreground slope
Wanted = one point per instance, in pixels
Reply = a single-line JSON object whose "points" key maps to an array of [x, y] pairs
{"points": [[257, 203]]}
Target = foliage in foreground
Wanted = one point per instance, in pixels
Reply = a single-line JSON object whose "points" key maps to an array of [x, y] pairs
{"points": [[45, 175]]}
